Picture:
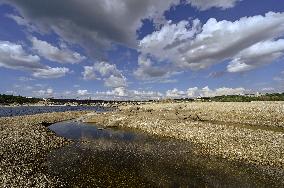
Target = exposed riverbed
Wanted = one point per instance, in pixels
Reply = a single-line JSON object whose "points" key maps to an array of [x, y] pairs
{"points": [[244, 133], [24, 144], [154, 145], [125, 157]]}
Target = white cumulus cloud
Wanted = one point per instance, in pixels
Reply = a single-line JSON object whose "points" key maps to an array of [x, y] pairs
{"points": [[147, 70], [96, 24], [122, 93], [54, 53], [248, 43], [89, 73], [112, 77], [49, 72], [204, 92], [13, 56], [262, 53], [83, 92], [175, 93], [44, 93], [207, 4], [115, 81]]}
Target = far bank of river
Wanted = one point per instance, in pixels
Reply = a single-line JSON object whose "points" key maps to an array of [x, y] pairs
{"points": [[9, 111]]}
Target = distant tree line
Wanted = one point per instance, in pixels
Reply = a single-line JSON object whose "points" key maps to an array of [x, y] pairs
{"points": [[244, 98], [9, 99]]}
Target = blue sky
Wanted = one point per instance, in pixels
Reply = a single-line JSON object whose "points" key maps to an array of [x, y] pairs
{"points": [[134, 49]]}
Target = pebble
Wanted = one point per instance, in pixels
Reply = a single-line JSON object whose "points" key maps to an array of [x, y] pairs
{"points": [[24, 143], [248, 132]]}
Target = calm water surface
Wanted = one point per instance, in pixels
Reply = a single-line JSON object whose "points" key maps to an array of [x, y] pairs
{"points": [[126, 158], [30, 110]]}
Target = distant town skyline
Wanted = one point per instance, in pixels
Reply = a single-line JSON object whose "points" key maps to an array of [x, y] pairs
{"points": [[132, 49]]}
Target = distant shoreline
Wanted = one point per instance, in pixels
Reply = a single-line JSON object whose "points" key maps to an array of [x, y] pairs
{"points": [[11, 100], [13, 111]]}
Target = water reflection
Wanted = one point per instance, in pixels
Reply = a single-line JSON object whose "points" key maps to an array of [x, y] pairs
{"points": [[123, 158], [78, 130]]}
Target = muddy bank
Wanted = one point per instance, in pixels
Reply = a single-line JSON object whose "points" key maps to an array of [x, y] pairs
{"points": [[252, 133], [24, 143]]}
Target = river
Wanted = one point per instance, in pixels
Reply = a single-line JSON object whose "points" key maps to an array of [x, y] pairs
{"points": [[30, 110]]}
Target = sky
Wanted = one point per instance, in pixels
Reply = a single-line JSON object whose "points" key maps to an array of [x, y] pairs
{"points": [[133, 49]]}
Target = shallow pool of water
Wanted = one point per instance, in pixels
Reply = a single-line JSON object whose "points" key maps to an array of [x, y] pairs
{"points": [[127, 158], [81, 131]]}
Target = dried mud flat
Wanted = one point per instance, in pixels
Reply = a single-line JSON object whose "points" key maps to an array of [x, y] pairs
{"points": [[24, 143], [251, 133]]}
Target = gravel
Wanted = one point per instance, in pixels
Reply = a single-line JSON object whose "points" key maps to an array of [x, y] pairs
{"points": [[252, 133], [24, 143]]}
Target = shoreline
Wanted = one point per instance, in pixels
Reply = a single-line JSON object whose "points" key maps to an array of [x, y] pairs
{"points": [[42, 105], [25, 141], [252, 133]]}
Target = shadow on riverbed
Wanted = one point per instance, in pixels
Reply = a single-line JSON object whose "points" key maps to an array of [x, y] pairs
{"points": [[125, 158]]}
